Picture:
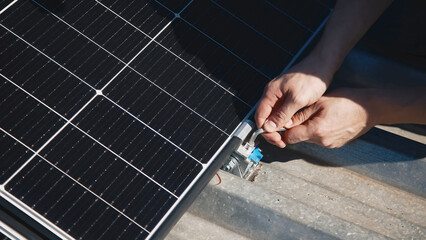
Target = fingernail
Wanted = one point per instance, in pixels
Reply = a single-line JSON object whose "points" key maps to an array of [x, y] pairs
{"points": [[289, 123], [271, 124]]}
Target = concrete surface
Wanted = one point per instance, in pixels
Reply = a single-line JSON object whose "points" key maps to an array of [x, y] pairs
{"points": [[303, 201]]}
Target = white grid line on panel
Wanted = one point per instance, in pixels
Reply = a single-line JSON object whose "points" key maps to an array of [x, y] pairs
{"points": [[26, 163], [131, 60], [82, 34], [128, 63], [90, 24], [125, 20], [74, 180], [97, 92], [182, 87], [29, 44], [179, 101], [252, 28], [159, 134], [81, 16], [34, 125], [196, 69], [168, 50], [52, 137], [124, 160], [207, 77], [56, 37], [199, 30], [68, 122], [8, 6], [227, 49]]}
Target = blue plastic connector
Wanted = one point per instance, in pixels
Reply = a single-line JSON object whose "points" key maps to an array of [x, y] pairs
{"points": [[256, 155]]}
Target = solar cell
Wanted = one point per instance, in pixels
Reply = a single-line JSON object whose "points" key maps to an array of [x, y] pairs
{"points": [[25, 118], [262, 21], [13, 155], [138, 145], [69, 206], [201, 94], [215, 62], [114, 115], [108, 177], [103, 27], [167, 116], [148, 16], [38, 75], [61, 43], [237, 36]]}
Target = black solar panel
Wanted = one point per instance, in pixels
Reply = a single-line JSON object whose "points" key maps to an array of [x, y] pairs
{"points": [[114, 114], [3, 237]]}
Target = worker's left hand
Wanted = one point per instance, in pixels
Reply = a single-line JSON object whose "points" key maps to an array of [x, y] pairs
{"points": [[334, 120]]}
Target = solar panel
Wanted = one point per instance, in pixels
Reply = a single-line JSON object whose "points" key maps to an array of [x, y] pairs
{"points": [[115, 114]]}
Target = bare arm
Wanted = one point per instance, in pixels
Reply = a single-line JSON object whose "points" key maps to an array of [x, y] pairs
{"points": [[349, 22], [307, 81], [393, 106]]}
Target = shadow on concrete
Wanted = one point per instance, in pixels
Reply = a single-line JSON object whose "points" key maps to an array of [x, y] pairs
{"points": [[406, 149]]}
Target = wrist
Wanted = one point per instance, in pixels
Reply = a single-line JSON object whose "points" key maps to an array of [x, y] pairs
{"points": [[329, 60], [314, 65], [394, 106]]}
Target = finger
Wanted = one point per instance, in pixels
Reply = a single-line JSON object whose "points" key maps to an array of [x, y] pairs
{"points": [[301, 116], [274, 138], [265, 106], [298, 134], [282, 116]]}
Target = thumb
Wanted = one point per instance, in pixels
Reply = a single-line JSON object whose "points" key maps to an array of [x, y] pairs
{"points": [[298, 134], [302, 116], [282, 116], [298, 131]]}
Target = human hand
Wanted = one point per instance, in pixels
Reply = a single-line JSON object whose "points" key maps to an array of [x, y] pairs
{"points": [[301, 86], [334, 119]]}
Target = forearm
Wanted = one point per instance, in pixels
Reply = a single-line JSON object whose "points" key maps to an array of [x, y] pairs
{"points": [[394, 106], [349, 22]]}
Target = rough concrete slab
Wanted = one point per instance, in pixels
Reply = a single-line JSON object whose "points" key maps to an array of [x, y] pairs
{"points": [[349, 205], [199, 228], [346, 183], [297, 197]]}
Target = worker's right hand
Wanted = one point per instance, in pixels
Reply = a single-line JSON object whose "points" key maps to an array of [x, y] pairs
{"points": [[300, 87]]}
